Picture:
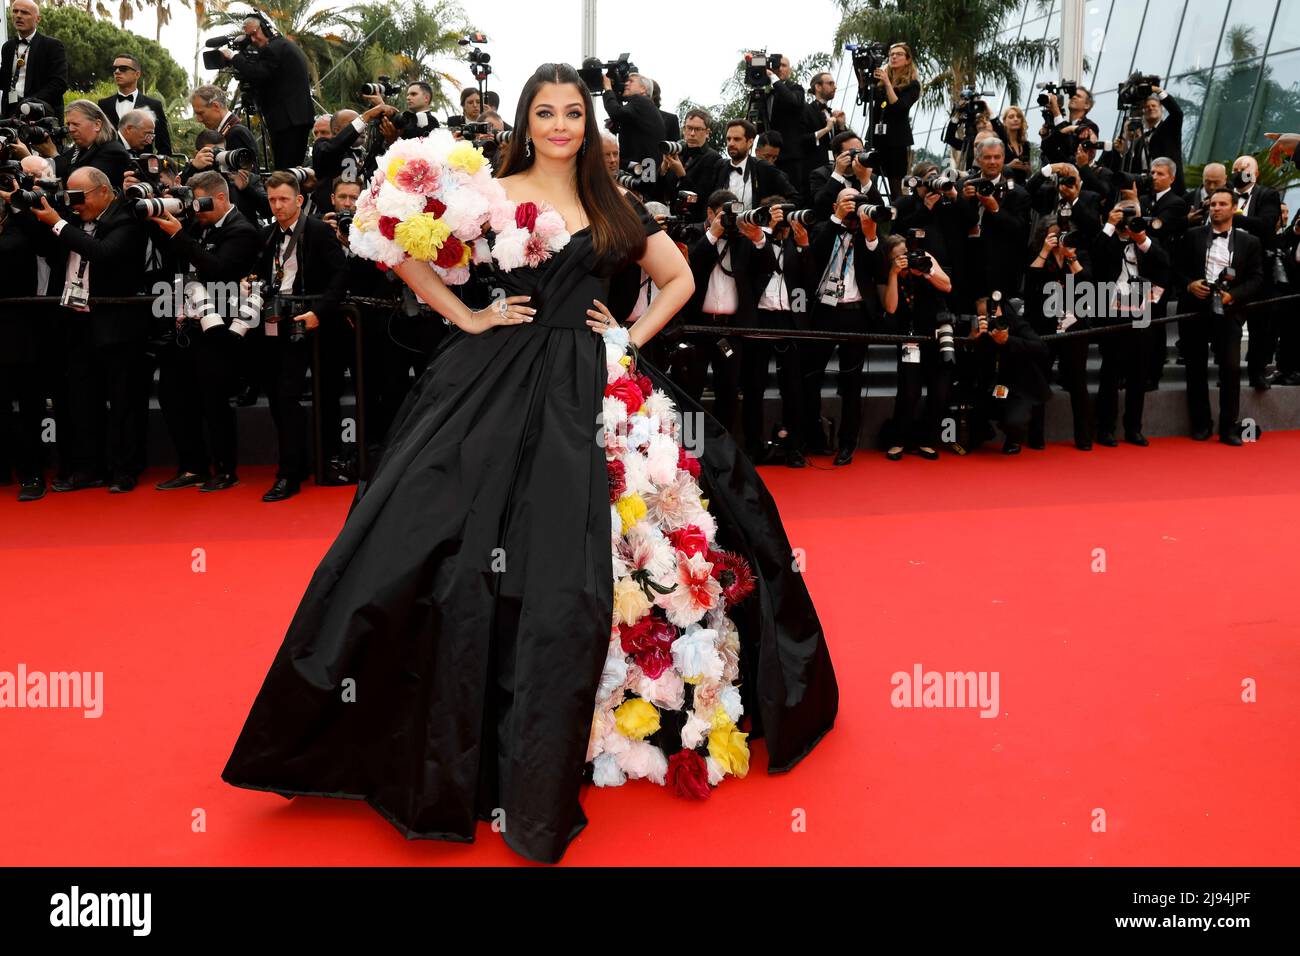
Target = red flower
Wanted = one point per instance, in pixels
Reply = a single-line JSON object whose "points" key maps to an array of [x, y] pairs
{"points": [[734, 574], [450, 253], [626, 391], [648, 634], [526, 215], [617, 480], [689, 539], [388, 226], [688, 461], [654, 661], [435, 206], [643, 382], [688, 775]]}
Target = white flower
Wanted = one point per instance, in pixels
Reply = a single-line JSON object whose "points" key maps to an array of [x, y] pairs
{"points": [[466, 211], [606, 773], [370, 244], [716, 773], [617, 337], [644, 759], [667, 690], [394, 202], [662, 459], [638, 433], [509, 248], [614, 676], [695, 731], [660, 404], [636, 472], [729, 697], [482, 252], [695, 653]]}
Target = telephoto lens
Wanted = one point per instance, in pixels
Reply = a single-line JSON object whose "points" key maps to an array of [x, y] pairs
{"points": [[876, 213], [233, 160], [158, 206], [198, 305], [250, 309], [674, 147], [805, 217], [943, 332], [302, 173], [760, 216], [502, 136], [422, 120], [139, 191]]}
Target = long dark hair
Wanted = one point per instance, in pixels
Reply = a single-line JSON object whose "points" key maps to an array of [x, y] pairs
{"points": [[616, 230]]}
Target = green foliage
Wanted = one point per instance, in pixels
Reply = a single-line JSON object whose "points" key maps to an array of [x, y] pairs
{"points": [[91, 45]]}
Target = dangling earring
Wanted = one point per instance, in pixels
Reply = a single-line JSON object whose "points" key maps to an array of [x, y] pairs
{"points": [[582, 150], [528, 146]]}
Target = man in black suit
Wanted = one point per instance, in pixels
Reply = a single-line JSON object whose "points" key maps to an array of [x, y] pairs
{"points": [[344, 152], [824, 120], [848, 168], [747, 176], [640, 130], [672, 129], [126, 74], [1286, 250], [997, 228], [846, 257], [212, 110], [1010, 362], [1206, 254], [788, 115], [197, 367], [277, 70], [101, 255], [1163, 135], [693, 168], [299, 256], [1166, 210], [1257, 212], [1059, 189], [32, 65], [94, 142]]}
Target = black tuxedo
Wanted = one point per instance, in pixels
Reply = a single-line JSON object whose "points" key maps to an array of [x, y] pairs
{"points": [[105, 347], [699, 163], [998, 256], [110, 158], [764, 178], [640, 130], [1166, 139], [1261, 212], [824, 188], [672, 126], [332, 156], [818, 115], [789, 117], [1245, 256], [162, 138], [1020, 365], [280, 75], [322, 275], [46, 73]]}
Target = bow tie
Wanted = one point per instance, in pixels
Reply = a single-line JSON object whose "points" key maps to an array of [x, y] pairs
{"points": [[128, 97], [1221, 235], [738, 169]]}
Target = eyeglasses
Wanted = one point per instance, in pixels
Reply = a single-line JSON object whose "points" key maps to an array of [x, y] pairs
{"points": [[123, 68], [696, 129]]}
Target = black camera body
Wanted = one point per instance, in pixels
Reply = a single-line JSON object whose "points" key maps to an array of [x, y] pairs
{"points": [[757, 63], [212, 57], [383, 87], [730, 213], [594, 69], [867, 58], [1136, 89]]}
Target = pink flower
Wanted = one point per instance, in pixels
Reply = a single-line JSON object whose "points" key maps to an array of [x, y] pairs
{"points": [[549, 224], [418, 176], [535, 251]]}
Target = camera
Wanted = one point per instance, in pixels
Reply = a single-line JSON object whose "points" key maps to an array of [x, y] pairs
{"points": [[869, 158], [867, 58], [471, 130], [1136, 89], [233, 160], [673, 147], [917, 257], [479, 62], [875, 212], [344, 221], [1219, 286], [1134, 222], [971, 104], [158, 206], [943, 332], [383, 87], [1067, 87], [423, 120], [301, 173], [986, 187], [757, 63], [729, 212], [593, 69], [1072, 240], [212, 58], [683, 204]]}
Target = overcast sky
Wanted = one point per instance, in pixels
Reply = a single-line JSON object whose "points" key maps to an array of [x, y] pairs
{"points": [[687, 61]]}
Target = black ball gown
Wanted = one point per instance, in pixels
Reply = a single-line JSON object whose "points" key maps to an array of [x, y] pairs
{"points": [[443, 662]]}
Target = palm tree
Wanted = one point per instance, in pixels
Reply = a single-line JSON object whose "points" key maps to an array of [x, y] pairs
{"points": [[308, 28], [953, 42], [403, 42]]}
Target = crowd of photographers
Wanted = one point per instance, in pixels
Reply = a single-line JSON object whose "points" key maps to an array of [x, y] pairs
{"points": [[799, 224]]}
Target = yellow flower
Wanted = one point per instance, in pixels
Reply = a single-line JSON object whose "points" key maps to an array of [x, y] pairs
{"points": [[394, 164], [465, 156], [466, 250], [727, 746], [625, 361], [631, 508], [422, 236], [630, 602], [638, 719]]}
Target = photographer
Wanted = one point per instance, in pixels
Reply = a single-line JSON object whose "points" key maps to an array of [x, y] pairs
{"points": [[299, 256], [276, 69], [913, 299], [640, 130], [744, 175], [1258, 209], [136, 132], [23, 344], [788, 116], [196, 378], [101, 256], [768, 146], [1057, 275], [1214, 176], [215, 154], [1163, 135], [851, 168], [418, 118], [345, 152], [901, 88], [1057, 190], [726, 294], [1010, 357], [94, 144], [1220, 266], [33, 66], [1013, 129], [471, 104], [693, 167], [1285, 253], [825, 121], [1060, 131], [1126, 258], [129, 98], [1093, 177], [929, 204], [338, 343], [995, 212], [844, 250], [787, 279]]}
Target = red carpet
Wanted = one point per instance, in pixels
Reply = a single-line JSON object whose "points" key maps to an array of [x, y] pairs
{"points": [[1118, 690]]}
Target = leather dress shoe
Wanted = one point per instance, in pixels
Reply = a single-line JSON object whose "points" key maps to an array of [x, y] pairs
{"points": [[121, 486], [283, 488], [1083, 444], [220, 482], [184, 479], [843, 456], [794, 458], [928, 454], [1260, 384], [76, 483], [1136, 438], [893, 455], [1107, 439], [1011, 448], [31, 490], [1234, 440], [1201, 434]]}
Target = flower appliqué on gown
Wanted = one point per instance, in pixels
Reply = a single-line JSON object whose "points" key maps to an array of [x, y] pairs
{"points": [[668, 702]]}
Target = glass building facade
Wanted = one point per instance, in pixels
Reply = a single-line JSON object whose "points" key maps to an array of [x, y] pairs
{"points": [[1234, 66]]}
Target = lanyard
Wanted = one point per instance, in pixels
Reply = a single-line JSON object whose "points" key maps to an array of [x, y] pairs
{"points": [[281, 257]]}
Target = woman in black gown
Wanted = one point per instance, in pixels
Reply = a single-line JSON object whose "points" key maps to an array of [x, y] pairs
{"points": [[444, 660]]}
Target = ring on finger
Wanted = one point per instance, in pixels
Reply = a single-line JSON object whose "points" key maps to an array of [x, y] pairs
{"points": [[503, 307]]}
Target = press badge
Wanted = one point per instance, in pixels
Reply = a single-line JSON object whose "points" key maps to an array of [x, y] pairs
{"points": [[76, 295], [911, 353], [1000, 391]]}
